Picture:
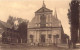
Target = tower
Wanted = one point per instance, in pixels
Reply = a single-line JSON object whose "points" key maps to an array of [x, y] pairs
{"points": [[55, 13]]}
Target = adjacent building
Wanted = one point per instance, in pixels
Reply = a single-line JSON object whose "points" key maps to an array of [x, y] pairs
{"points": [[14, 34], [10, 36]]}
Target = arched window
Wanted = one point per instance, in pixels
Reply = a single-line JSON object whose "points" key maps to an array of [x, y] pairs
{"points": [[43, 20]]}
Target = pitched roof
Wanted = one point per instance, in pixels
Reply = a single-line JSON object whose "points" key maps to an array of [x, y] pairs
{"points": [[43, 9], [55, 23]]}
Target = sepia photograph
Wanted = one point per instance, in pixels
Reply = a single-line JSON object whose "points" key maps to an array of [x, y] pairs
{"points": [[39, 25]]}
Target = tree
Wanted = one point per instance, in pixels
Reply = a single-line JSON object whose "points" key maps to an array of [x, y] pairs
{"points": [[11, 21], [73, 16], [22, 29]]}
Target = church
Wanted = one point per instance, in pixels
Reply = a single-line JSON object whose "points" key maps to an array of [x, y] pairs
{"points": [[45, 28]]}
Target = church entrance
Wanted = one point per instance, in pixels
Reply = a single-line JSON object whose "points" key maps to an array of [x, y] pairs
{"points": [[42, 38]]}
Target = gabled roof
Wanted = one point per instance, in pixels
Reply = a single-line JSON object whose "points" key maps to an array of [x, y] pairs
{"points": [[55, 23], [43, 9]]}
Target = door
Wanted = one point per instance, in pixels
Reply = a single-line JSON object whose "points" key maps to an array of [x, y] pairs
{"points": [[42, 38]]}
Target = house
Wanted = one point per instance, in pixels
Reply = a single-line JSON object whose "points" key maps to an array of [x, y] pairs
{"points": [[10, 36]]}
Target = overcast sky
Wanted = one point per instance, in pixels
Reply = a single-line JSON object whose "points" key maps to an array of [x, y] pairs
{"points": [[26, 8]]}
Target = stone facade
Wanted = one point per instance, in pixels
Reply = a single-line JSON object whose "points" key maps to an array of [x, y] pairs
{"points": [[45, 28]]}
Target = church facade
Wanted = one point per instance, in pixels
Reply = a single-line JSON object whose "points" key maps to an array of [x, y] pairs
{"points": [[45, 28]]}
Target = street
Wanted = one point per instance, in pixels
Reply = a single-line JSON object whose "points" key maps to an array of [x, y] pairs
{"points": [[24, 47]]}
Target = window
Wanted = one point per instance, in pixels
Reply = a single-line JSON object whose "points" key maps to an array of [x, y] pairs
{"points": [[43, 21], [50, 18], [49, 36], [31, 36], [46, 18], [39, 18]]}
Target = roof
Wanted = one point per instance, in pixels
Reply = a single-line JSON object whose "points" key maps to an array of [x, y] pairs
{"points": [[55, 23], [35, 22], [43, 9]]}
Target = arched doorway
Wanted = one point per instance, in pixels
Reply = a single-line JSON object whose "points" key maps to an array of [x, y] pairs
{"points": [[42, 38]]}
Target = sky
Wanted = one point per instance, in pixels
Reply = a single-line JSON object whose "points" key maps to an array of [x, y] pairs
{"points": [[25, 9]]}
